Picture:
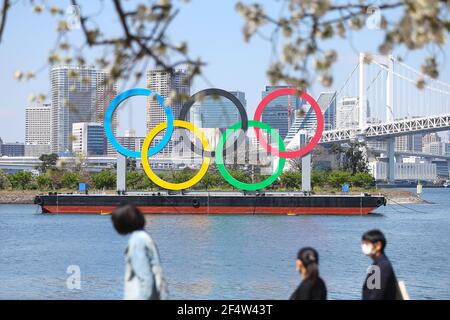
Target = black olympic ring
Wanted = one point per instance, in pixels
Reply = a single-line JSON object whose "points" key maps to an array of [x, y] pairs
{"points": [[214, 92]]}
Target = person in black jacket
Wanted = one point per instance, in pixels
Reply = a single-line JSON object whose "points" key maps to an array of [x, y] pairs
{"points": [[381, 282], [312, 287]]}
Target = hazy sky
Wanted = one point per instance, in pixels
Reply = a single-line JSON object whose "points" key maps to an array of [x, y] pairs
{"points": [[212, 30]]}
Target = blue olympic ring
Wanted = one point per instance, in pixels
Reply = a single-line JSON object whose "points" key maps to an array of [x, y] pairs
{"points": [[109, 114]]}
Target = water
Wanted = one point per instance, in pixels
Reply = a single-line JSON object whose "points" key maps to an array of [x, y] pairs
{"points": [[224, 257]]}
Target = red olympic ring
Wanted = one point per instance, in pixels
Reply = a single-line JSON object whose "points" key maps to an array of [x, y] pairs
{"points": [[315, 139]]}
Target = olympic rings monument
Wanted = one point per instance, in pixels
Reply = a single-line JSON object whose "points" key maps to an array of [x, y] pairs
{"points": [[206, 151], [257, 201]]}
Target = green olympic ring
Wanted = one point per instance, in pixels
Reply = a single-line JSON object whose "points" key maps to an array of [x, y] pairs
{"points": [[228, 177]]}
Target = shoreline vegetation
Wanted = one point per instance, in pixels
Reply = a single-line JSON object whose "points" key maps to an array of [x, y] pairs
{"points": [[21, 186]]}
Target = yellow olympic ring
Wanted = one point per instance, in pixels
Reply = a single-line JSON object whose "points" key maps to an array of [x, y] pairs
{"points": [[169, 185]]}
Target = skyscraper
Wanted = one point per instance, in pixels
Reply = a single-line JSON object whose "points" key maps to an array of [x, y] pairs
{"points": [[106, 92], [280, 112], [165, 83], [38, 125], [76, 93]]}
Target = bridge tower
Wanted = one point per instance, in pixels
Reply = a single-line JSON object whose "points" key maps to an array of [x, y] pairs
{"points": [[387, 61], [390, 117], [362, 92]]}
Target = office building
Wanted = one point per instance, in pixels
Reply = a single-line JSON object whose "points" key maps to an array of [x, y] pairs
{"points": [[12, 149], [38, 130], [88, 139], [106, 91], [166, 84], [432, 144], [402, 143], [416, 142]]}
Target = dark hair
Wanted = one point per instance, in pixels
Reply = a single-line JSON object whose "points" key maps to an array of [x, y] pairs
{"points": [[127, 219], [310, 260], [374, 236]]}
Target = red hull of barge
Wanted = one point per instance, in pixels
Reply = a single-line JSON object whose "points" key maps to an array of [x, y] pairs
{"points": [[213, 210], [288, 203]]}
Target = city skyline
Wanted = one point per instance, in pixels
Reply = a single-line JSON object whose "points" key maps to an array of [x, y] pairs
{"points": [[249, 61]]}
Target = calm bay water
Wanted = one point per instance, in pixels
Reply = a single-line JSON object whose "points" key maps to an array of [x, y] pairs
{"points": [[224, 257]]}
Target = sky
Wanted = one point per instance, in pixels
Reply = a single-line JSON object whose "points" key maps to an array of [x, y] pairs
{"points": [[212, 30]]}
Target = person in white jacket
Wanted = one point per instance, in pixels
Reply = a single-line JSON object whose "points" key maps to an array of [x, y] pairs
{"points": [[144, 279]]}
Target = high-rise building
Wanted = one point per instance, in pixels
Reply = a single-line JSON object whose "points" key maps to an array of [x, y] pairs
{"points": [[38, 130], [12, 149], [77, 92], [280, 112], [216, 112], [165, 83], [105, 93], [88, 139]]}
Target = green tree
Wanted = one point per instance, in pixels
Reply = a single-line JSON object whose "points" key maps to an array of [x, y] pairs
{"points": [[43, 182], [337, 178], [240, 175], [183, 175], [355, 159], [362, 179], [48, 161], [70, 180], [55, 177], [210, 180], [21, 179], [4, 181], [318, 178], [291, 180], [136, 180], [104, 179]]}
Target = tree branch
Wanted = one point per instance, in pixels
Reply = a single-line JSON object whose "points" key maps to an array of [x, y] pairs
{"points": [[5, 8]]}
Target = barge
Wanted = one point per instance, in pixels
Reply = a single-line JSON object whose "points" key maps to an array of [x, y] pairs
{"points": [[198, 202]]}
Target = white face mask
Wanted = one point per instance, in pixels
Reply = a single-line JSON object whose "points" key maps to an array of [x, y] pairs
{"points": [[367, 249]]}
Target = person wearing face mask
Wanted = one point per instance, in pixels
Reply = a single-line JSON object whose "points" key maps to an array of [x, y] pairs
{"points": [[381, 282], [312, 287]]}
